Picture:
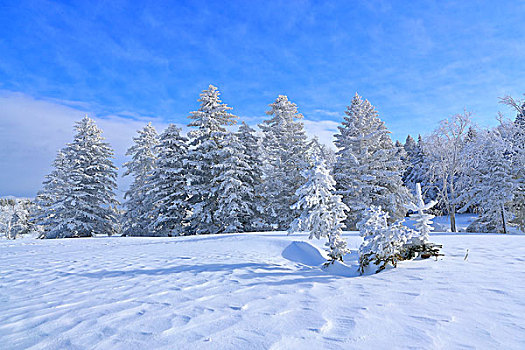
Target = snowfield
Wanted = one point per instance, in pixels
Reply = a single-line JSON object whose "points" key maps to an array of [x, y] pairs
{"points": [[257, 291]]}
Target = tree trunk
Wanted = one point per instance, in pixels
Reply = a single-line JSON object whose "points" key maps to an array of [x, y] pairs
{"points": [[452, 205], [452, 219], [503, 219], [8, 231]]}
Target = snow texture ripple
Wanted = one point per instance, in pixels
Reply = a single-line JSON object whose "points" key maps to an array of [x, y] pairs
{"points": [[257, 291]]}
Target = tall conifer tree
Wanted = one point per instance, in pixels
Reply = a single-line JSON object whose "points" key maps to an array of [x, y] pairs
{"points": [[137, 216], [368, 170], [286, 152], [83, 200], [204, 159]]}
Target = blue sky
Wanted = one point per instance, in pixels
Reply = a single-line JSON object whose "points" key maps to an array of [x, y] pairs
{"points": [[132, 61]]}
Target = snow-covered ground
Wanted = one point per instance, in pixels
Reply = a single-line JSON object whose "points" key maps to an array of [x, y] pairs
{"points": [[257, 291]]}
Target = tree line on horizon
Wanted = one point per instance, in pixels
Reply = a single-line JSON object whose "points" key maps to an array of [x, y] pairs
{"points": [[214, 180]]}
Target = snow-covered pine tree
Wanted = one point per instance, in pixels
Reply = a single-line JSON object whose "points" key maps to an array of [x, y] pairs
{"points": [[382, 244], [236, 187], [86, 205], [498, 186], [423, 220], [415, 165], [471, 134], [167, 196], [518, 205], [368, 170], [254, 179], [514, 135], [318, 150], [137, 216], [410, 146], [286, 149], [413, 161], [421, 175], [492, 185], [321, 210], [204, 156], [53, 192], [401, 153]]}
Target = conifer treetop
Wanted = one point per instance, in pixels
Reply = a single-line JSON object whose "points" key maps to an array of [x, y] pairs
{"points": [[283, 111], [212, 115]]}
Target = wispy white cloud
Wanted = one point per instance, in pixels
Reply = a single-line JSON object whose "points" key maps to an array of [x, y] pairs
{"points": [[32, 130], [328, 113], [324, 130]]}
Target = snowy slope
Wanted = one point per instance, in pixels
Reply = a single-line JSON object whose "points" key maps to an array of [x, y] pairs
{"points": [[256, 291]]}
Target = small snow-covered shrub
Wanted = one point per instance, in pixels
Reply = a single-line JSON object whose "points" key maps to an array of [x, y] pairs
{"points": [[423, 220], [419, 244], [383, 244]]}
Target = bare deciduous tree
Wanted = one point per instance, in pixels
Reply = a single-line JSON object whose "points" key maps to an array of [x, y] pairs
{"points": [[518, 105], [443, 148]]}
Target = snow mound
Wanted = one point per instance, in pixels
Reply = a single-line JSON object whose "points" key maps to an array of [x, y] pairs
{"points": [[306, 254], [303, 253], [340, 269]]}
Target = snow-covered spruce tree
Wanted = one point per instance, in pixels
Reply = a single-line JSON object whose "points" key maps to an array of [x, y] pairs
{"points": [[236, 190], [415, 168], [382, 244], [204, 156], [514, 134], [472, 134], [492, 184], [286, 156], [321, 210], [423, 220], [424, 177], [137, 214], [53, 191], [316, 150], [85, 205], [518, 205], [254, 177], [497, 186], [166, 196], [414, 160], [401, 153], [368, 170]]}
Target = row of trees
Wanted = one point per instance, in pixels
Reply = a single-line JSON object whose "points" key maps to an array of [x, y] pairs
{"points": [[469, 169], [211, 181], [215, 180]]}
